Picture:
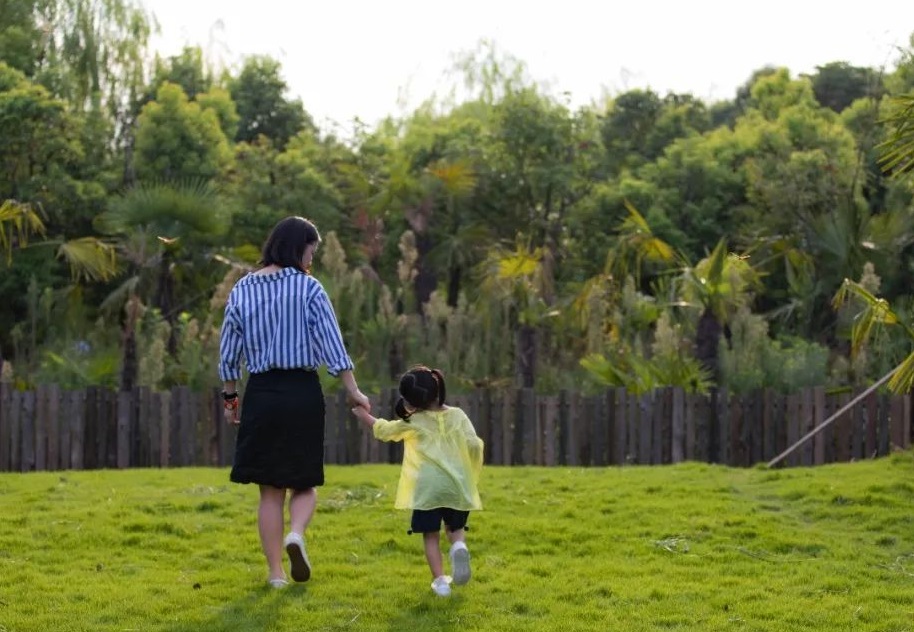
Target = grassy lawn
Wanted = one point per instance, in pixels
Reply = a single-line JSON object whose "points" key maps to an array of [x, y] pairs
{"points": [[686, 547]]}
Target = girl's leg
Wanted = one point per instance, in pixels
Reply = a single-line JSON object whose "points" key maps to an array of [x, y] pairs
{"points": [[456, 536], [433, 553], [460, 556], [270, 524], [301, 508]]}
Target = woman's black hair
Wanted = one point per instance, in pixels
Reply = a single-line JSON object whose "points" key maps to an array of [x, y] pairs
{"points": [[421, 388], [285, 247]]}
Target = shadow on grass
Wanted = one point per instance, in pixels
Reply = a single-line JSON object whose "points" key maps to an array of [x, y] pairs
{"points": [[431, 613], [260, 609]]}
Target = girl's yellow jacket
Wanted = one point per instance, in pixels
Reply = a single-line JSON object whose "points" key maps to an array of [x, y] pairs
{"points": [[442, 459]]}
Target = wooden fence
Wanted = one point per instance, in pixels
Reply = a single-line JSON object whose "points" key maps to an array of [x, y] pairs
{"points": [[52, 429]]}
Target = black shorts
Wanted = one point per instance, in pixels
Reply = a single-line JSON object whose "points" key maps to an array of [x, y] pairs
{"points": [[429, 520]]}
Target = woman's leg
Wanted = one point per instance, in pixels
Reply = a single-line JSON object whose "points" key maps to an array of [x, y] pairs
{"points": [[433, 553], [301, 508], [270, 523]]}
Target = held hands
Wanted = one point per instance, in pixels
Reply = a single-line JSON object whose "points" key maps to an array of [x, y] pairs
{"points": [[361, 407], [359, 399], [363, 415]]}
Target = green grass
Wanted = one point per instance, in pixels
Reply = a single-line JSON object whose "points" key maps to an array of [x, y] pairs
{"points": [[687, 547]]}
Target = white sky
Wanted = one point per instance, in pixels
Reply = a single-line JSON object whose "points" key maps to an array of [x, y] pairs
{"points": [[371, 58]]}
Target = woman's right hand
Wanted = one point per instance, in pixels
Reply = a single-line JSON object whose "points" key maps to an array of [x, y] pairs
{"points": [[358, 398]]}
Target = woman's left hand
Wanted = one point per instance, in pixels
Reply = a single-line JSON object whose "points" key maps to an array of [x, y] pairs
{"points": [[231, 411]]}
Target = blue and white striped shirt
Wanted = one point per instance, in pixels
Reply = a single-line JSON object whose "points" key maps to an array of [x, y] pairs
{"points": [[282, 320]]}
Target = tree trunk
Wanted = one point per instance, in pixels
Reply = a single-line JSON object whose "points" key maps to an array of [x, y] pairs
{"points": [[707, 340], [426, 282], [525, 356], [165, 301], [129, 366], [394, 360], [453, 285]]}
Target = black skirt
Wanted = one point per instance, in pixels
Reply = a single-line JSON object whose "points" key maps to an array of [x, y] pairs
{"points": [[281, 437]]}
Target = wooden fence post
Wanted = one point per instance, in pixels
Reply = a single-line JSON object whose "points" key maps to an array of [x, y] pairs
{"points": [[124, 404], [6, 425], [620, 421], [15, 431], [677, 426], [77, 424]]}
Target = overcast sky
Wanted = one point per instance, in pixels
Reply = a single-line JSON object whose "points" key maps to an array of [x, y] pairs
{"points": [[371, 58]]}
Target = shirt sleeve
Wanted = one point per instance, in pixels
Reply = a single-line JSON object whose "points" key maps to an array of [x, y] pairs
{"points": [[475, 445], [230, 344], [325, 330], [396, 430]]}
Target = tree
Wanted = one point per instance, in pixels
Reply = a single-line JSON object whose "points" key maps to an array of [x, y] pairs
{"points": [[20, 36], [259, 94], [177, 139], [38, 136], [220, 101], [898, 149], [515, 280], [186, 69], [838, 84], [626, 128], [717, 286], [159, 229], [873, 315]]}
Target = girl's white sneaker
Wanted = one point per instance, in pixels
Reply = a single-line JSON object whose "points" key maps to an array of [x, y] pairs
{"points": [[442, 586], [460, 563]]}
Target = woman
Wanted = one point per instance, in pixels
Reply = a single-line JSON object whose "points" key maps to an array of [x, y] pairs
{"points": [[280, 320]]}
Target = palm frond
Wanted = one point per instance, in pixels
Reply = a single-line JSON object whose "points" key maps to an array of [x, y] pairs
{"points": [[118, 297], [457, 177], [897, 151], [89, 258], [903, 379], [167, 209], [875, 313], [635, 221], [18, 222]]}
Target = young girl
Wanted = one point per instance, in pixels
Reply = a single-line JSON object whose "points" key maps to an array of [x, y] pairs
{"points": [[442, 458]]}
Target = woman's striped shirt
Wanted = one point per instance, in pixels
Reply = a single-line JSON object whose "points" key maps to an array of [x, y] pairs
{"points": [[282, 320]]}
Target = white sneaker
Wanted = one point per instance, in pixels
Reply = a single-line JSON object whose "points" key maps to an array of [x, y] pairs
{"points": [[442, 586], [298, 557], [460, 563]]}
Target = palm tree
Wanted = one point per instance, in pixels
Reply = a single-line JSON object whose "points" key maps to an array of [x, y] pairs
{"points": [[455, 250], [876, 313], [717, 285], [515, 280], [158, 228], [636, 245], [87, 257]]}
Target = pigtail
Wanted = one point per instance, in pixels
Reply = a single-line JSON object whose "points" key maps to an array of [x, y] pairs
{"points": [[401, 411], [439, 379]]}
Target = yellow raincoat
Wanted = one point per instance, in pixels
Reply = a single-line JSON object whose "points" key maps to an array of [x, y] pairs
{"points": [[442, 459]]}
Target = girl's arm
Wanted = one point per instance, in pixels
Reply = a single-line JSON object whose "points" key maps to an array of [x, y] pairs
{"points": [[475, 445], [364, 416], [383, 429]]}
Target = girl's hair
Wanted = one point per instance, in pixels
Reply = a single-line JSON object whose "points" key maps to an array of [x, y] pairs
{"points": [[421, 388], [285, 247]]}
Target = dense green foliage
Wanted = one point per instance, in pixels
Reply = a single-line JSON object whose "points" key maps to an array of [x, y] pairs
{"points": [[646, 240]]}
